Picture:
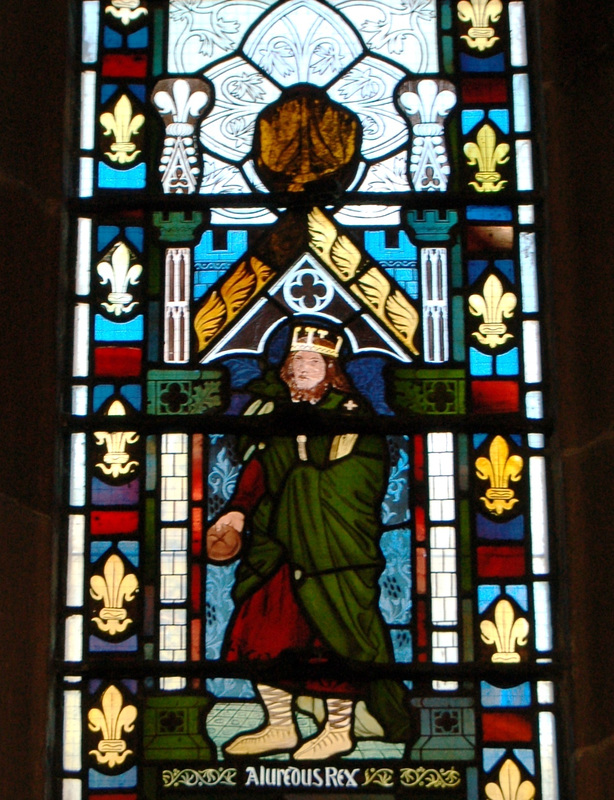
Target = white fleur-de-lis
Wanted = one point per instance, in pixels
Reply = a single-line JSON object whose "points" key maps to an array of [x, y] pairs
{"points": [[114, 588], [112, 721], [120, 275]]}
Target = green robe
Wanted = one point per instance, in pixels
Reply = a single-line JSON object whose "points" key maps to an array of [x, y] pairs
{"points": [[321, 517]]}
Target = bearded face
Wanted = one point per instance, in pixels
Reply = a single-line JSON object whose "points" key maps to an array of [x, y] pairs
{"points": [[309, 375]]}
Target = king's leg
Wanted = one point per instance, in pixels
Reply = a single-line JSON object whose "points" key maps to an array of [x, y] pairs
{"points": [[336, 736], [278, 735]]}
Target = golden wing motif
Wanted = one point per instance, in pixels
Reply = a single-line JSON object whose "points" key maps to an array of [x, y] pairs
{"points": [[346, 256], [404, 318], [375, 288], [237, 289], [261, 270], [322, 235], [209, 320]]}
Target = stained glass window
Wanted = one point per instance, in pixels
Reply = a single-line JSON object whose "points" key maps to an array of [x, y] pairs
{"points": [[306, 514]]}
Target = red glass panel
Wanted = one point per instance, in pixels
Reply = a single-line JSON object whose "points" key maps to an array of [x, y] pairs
{"points": [[118, 362], [420, 525], [489, 237], [419, 458], [495, 397], [117, 66], [195, 629], [506, 727], [484, 90], [421, 619], [501, 562], [196, 584], [197, 531], [104, 523], [421, 570], [197, 467]]}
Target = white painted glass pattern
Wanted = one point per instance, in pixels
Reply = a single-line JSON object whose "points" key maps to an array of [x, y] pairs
{"points": [[90, 25], [77, 469], [522, 106], [88, 109], [80, 361], [539, 515], [79, 401], [73, 638], [86, 177], [528, 272], [547, 747], [84, 245], [174, 565], [72, 789], [444, 610], [518, 35], [535, 405], [526, 215], [543, 624], [174, 477], [75, 558], [532, 351], [71, 732], [545, 692], [524, 165], [434, 261], [177, 306], [441, 476]]}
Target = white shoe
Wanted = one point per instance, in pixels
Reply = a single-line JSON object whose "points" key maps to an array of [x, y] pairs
{"points": [[327, 743], [272, 739]]}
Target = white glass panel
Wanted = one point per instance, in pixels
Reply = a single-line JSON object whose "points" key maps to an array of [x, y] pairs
{"points": [[522, 107], [172, 684], [72, 731], [539, 515], [81, 346], [77, 469], [88, 109], [434, 262], [547, 748], [84, 245], [75, 559], [545, 692], [91, 14], [528, 272], [441, 476], [71, 789], [86, 177], [73, 638], [79, 401], [444, 609], [518, 43], [536, 440], [543, 623], [526, 215], [177, 306], [174, 565], [524, 165], [532, 354], [173, 642], [174, 471], [535, 405]]}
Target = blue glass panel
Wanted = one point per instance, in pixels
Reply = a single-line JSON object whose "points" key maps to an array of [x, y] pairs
{"points": [[485, 213], [98, 548], [472, 783], [219, 607], [486, 594], [470, 118], [475, 269], [136, 236], [242, 371], [107, 331], [516, 438], [402, 646], [366, 375], [478, 438], [130, 550], [97, 645], [106, 234], [107, 90], [139, 38], [112, 38], [133, 394], [102, 393], [231, 687], [400, 262], [395, 506], [223, 473], [395, 581], [480, 363], [210, 264], [490, 757], [104, 495], [473, 64], [527, 757], [520, 594], [109, 178], [512, 697], [506, 265], [507, 363], [487, 529], [501, 118], [99, 781], [138, 90]]}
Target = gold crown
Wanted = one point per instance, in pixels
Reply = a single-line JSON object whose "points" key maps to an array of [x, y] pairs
{"points": [[304, 339]]}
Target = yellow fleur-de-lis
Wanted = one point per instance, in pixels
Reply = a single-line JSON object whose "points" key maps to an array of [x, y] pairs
{"points": [[500, 468], [116, 461], [114, 589], [493, 305], [480, 13], [126, 10], [112, 721], [123, 126], [510, 786], [487, 154], [507, 632]]}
